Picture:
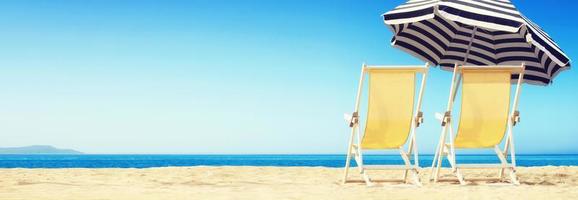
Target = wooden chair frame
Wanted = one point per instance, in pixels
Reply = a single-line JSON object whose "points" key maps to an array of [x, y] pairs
{"points": [[448, 149], [354, 147]]}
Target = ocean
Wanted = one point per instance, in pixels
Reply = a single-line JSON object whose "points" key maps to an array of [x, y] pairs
{"points": [[146, 161]]}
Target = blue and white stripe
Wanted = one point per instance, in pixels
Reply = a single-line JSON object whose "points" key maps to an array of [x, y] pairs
{"points": [[440, 32]]}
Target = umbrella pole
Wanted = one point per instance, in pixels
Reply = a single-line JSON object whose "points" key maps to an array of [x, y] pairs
{"points": [[465, 59], [470, 45]]}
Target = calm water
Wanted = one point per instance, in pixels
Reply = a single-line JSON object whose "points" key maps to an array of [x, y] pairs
{"points": [[144, 161]]}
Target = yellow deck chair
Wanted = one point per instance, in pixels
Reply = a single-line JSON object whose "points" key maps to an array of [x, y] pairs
{"points": [[392, 116], [485, 118]]}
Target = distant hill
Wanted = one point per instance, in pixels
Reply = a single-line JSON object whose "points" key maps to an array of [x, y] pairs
{"points": [[37, 149]]}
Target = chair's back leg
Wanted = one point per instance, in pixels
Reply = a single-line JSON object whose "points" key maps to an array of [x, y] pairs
{"points": [[505, 152], [410, 169], [406, 161], [452, 152], [436, 155], [503, 160], [503, 156], [513, 177], [441, 152], [512, 149], [415, 153]]}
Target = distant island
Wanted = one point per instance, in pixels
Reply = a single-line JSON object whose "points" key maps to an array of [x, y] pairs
{"points": [[37, 149]]}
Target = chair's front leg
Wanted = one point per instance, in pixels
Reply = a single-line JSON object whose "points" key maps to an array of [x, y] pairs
{"points": [[359, 158], [406, 161], [349, 150]]}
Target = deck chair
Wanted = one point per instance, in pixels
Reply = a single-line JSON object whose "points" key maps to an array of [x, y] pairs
{"points": [[485, 118], [392, 117]]}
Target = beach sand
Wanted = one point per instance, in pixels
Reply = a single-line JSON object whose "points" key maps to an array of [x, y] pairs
{"points": [[269, 183]]}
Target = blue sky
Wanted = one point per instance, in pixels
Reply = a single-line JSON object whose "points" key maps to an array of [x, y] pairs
{"points": [[227, 76]]}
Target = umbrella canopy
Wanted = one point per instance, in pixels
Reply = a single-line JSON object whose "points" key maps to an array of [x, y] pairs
{"points": [[475, 32]]}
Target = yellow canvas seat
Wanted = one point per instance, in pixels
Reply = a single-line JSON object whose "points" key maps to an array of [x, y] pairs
{"points": [[485, 106], [392, 115], [390, 109], [484, 117]]}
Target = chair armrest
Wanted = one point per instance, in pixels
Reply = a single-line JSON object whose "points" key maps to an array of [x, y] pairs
{"points": [[515, 118], [439, 116], [443, 118], [351, 119], [419, 119], [347, 117]]}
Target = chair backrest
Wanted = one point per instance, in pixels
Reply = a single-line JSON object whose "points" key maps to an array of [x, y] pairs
{"points": [[390, 108], [485, 106]]}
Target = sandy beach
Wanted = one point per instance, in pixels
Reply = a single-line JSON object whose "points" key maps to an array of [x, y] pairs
{"points": [[268, 183]]}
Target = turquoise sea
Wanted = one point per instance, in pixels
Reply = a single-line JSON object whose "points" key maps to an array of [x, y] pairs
{"points": [[145, 161]]}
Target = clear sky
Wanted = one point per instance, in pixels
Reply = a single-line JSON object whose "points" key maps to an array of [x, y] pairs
{"points": [[228, 76]]}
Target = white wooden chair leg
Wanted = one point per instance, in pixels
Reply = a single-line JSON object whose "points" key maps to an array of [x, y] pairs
{"points": [[359, 161], [455, 169], [452, 150], [405, 158], [363, 172], [513, 155], [441, 153], [452, 157], [349, 150], [412, 148], [514, 177], [506, 148], [434, 161], [512, 151], [346, 171], [437, 156], [414, 173], [504, 153], [437, 169], [366, 178], [503, 161], [503, 170], [415, 177], [460, 177], [406, 172], [512, 171]]}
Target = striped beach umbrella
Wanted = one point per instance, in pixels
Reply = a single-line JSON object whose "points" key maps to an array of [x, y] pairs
{"points": [[475, 32]]}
